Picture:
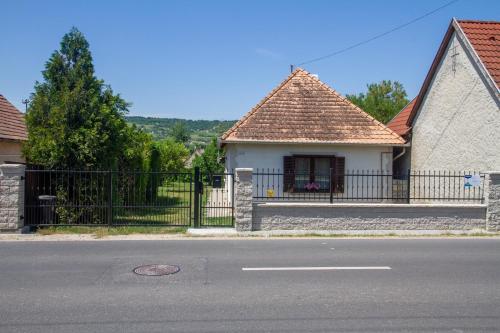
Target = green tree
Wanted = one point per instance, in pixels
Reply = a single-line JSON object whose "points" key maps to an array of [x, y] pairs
{"points": [[382, 101], [74, 120], [210, 161], [169, 156], [180, 133]]}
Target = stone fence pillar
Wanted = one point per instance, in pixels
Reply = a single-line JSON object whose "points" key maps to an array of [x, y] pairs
{"points": [[11, 196], [243, 191], [492, 193]]}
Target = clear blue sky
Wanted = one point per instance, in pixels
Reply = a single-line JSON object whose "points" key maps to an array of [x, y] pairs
{"points": [[217, 59]]}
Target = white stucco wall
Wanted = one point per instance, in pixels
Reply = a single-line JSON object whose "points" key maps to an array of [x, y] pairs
{"points": [[270, 156], [458, 124]]}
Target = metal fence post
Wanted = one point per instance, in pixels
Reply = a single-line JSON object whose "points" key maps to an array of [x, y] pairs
{"points": [[196, 203], [331, 185], [408, 186], [110, 198]]}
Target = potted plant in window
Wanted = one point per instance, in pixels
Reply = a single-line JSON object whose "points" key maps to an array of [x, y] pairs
{"points": [[312, 186]]}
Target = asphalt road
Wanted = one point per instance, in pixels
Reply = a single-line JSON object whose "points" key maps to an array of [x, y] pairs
{"points": [[449, 285]]}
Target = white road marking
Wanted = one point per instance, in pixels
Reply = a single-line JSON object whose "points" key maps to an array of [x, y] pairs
{"points": [[317, 268], [332, 248]]}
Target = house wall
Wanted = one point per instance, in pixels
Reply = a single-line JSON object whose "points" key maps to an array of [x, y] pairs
{"points": [[270, 156], [457, 125], [10, 151], [259, 156]]}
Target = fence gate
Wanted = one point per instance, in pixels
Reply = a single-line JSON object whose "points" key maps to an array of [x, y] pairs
{"points": [[214, 197]]}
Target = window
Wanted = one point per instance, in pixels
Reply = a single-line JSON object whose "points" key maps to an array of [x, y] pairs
{"points": [[312, 173]]}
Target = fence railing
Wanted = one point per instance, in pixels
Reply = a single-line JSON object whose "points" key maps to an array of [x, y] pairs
{"points": [[132, 198], [369, 186]]}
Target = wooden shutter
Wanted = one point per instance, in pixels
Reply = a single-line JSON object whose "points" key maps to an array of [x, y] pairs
{"points": [[339, 171], [288, 173]]}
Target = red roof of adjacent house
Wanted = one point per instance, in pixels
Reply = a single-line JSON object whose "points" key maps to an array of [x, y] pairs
{"points": [[302, 109], [398, 123], [12, 124], [484, 38]]}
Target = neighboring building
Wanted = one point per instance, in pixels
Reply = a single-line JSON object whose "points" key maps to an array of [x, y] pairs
{"points": [[302, 129], [197, 152], [454, 122], [12, 132]]}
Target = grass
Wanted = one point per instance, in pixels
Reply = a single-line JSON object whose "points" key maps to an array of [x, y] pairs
{"points": [[100, 232], [171, 206]]}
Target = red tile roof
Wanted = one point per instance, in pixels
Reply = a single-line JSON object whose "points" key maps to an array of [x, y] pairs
{"points": [[12, 124], [398, 123], [303, 109], [484, 37]]}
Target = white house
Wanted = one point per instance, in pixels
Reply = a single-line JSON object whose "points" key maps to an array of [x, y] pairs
{"points": [[304, 129], [454, 122], [12, 133]]}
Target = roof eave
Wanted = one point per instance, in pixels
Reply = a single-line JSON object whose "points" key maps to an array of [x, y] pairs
{"points": [[13, 139], [339, 143]]}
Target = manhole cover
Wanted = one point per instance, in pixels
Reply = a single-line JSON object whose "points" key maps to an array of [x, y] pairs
{"points": [[156, 270]]}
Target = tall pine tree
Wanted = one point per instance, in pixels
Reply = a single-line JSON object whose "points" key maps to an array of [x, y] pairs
{"points": [[74, 120]]}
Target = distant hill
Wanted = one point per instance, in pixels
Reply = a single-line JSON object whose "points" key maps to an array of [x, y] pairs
{"points": [[201, 131]]}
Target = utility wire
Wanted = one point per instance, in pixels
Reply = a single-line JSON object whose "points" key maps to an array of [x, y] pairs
{"points": [[399, 27]]}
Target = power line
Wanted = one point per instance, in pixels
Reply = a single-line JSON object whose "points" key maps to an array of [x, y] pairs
{"points": [[399, 27]]}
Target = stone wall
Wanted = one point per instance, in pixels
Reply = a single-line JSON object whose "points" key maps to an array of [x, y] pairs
{"points": [[251, 215], [493, 201], [11, 196], [243, 199], [325, 216]]}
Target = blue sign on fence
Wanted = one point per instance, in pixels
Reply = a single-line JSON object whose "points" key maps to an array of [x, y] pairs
{"points": [[472, 181]]}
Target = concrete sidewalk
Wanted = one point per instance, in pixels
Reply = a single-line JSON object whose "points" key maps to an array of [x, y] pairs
{"points": [[230, 233]]}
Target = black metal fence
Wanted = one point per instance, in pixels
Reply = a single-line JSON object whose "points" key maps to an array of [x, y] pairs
{"points": [[70, 197], [67, 197], [369, 186]]}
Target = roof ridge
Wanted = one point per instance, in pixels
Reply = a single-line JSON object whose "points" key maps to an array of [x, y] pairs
{"points": [[478, 21], [262, 101], [364, 113]]}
